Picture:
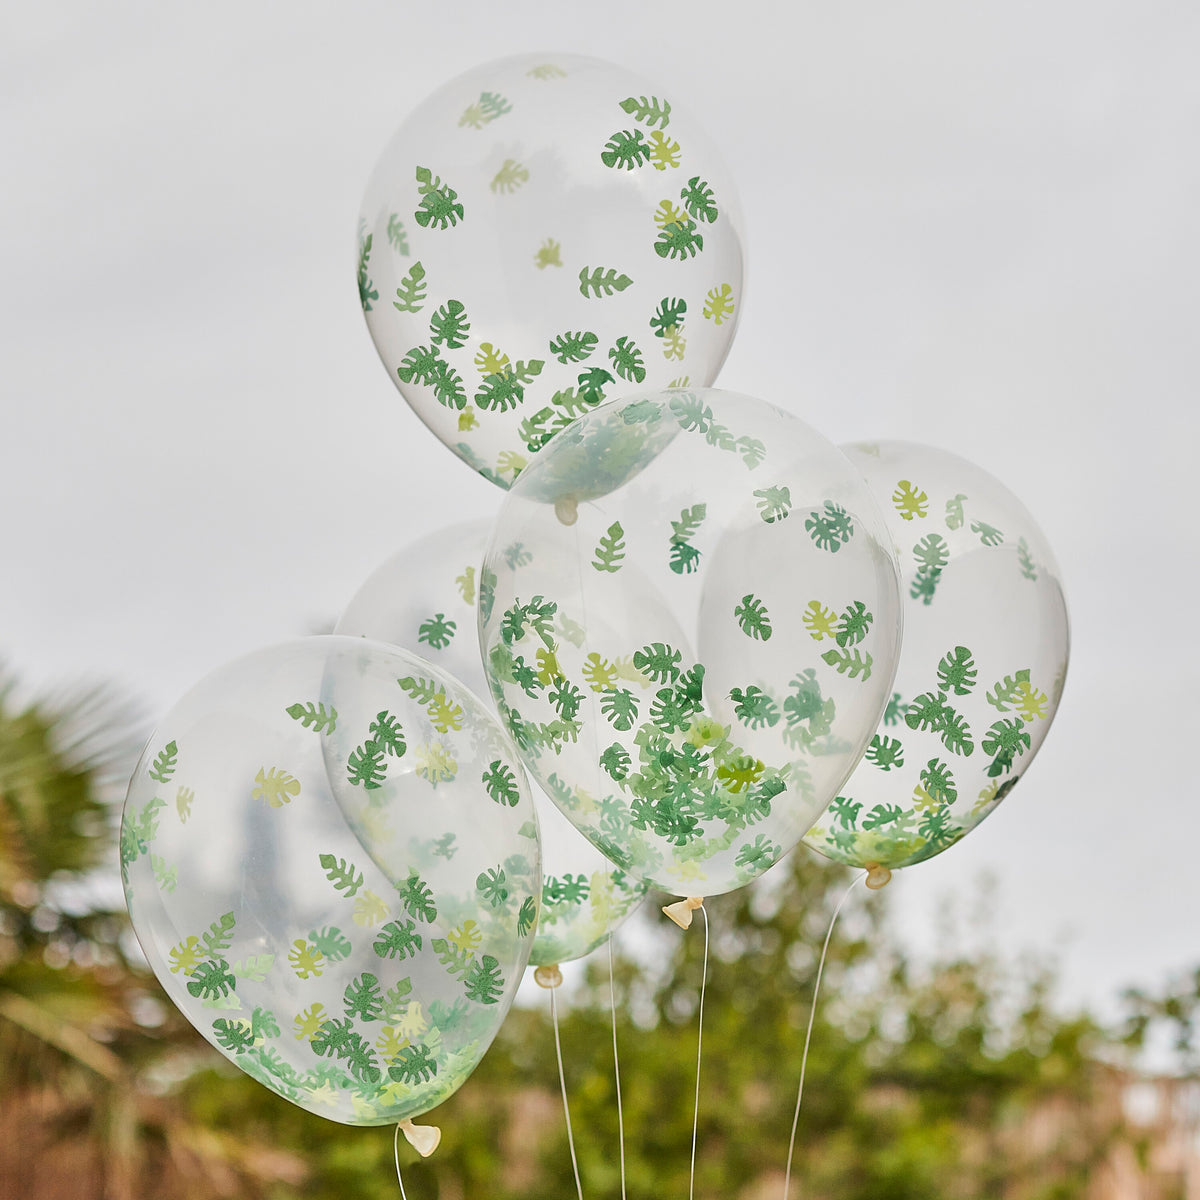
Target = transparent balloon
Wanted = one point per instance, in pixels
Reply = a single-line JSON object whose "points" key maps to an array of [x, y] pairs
{"points": [[982, 667], [425, 594], [691, 662], [268, 923], [542, 234]]}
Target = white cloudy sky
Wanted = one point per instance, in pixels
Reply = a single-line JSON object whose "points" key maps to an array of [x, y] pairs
{"points": [[968, 224]]}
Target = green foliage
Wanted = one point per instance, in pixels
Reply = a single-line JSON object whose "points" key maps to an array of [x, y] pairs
{"points": [[658, 662], [484, 982], [439, 205], [1025, 558], [211, 979], [754, 707], [344, 876], [688, 524], [719, 304], [931, 553], [600, 282], [610, 553], [1009, 690], [165, 762], [365, 766], [699, 200], [615, 760], [956, 672], [679, 240], [627, 360], [449, 326], [774, 503], [511, 176], [626, 149], [885, 752], [526, 916], [1005, 739], [234, 1036], [849, 662], [573, 347], [413, 1064], [410, 295], [501, 784], [316, 717], [989, 535], [751, 450], [664, 151], [492, 886], [396, 234], [397, 940], [954, 512], [910, 501], [219, 935], [331, 942], [437, 631], [366, 289], [417, 898], [938, 780], [753, 618], [831, 528], [667, 316], [918, 1088], [363, 998], [649, 110], [853, 625]]}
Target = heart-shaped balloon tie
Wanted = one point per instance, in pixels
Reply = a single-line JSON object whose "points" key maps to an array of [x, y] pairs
{"points": [[681, 911]]}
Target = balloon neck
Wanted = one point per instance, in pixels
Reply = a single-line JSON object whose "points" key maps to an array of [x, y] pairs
{"points": [[566, 509], [878, 876], [681, 911], [548, 976], [423, 1139]]}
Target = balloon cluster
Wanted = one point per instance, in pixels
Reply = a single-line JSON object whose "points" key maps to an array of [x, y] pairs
{"points": [[707, 633]]}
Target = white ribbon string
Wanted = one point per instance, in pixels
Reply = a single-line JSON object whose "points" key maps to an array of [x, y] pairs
{"points": [[562, 1079], [787, 1178], [612, 1004], [699, 1044]]}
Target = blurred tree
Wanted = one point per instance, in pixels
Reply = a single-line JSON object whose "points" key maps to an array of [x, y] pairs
{"points": [[948, 1081]]}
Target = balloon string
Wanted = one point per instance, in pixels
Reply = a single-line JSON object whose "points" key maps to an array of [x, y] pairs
{"points": [[396, 1152], [612, 998], [787, 1178], [699, 1044], [562, 1079]]}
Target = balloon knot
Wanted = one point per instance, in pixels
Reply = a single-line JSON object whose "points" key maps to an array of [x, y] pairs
{"points": [[566, 509], [423, 1139], [681, 911], [877, 876], [548, 976]]}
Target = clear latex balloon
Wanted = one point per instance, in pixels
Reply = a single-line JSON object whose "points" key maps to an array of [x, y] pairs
{"points": [[426, 594], [981, 670], [658, 670], [542, 234], [263, 916]]}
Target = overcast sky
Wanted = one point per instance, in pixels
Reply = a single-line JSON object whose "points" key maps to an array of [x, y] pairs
{"points": [[974, 225]]}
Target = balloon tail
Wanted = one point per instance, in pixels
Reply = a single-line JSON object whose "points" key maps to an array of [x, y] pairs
{"points": [[699, 1039], [681, 911], [866, 878], [562, 1079], [424, 1139], [612, 1004], [878, 876]]}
